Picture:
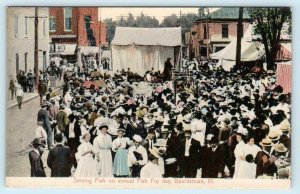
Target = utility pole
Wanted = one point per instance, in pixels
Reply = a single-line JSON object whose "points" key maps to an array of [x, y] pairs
{"points": [[100, 40], [180, 62], [239, 38], [36, 45], [207, 34]]}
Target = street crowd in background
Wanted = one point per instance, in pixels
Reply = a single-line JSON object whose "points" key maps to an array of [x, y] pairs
{"points": [[217, 125]]}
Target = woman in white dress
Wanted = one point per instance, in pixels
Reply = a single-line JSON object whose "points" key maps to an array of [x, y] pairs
{"points": [[238, 151], [68, 98], [87, 166], [120, 145], [247, 168], [102, 148]]}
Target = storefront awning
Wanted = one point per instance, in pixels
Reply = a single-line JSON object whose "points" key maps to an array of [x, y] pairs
{"points": [[65, 49]]}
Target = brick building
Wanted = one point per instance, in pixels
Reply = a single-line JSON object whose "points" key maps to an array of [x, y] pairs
{"points": [[216, 31], [71, 28]]}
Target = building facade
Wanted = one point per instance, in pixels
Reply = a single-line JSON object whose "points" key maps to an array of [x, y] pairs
{"points": [[215, 31], [73, 27], [20, 39]]}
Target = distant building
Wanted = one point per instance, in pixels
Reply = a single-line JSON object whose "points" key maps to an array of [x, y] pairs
{"points": [[212, 33], [72, 28], [20, 39]]}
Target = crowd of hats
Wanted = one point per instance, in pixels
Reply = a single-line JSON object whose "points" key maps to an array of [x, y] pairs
{"points": [[240, 102], [224, 99]]}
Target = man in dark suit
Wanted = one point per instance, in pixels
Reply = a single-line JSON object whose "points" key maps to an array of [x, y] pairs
{"points": [[150, 140], [170, 153], [59, 159], [43, 116], [214, 161], [140, 128], [36, 163], [189, 156], [127, 126], [42, 89], [73, 134]]}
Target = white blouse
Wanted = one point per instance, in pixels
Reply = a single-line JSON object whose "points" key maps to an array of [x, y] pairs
{"points": [[124, 141], [132, 158]]}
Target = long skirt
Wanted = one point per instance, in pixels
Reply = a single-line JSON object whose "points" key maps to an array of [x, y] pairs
{"points": [[87, 167], [120, 163], [105, 163], [246, 170]]}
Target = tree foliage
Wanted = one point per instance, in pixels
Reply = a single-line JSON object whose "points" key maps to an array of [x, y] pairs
{"points": [[269, 23], [110, 29], [171, 21], [187, 21]]}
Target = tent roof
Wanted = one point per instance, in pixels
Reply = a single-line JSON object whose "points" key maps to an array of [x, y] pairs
{"points": [[284, 52], [287, 46], [147, 36], [250, 51]]}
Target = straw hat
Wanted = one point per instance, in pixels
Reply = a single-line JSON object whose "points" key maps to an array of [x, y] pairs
{"points": [[242, 131], [137, 138], [209, 136], [187, 118], [140, 113], [285, 127], [187, 128], [154, 153], [266, 142], [160, 143], [164, 129], [273, 135], [280, 148], [179, 118]]}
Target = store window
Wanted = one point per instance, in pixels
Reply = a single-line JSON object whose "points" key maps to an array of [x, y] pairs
{"points": [[68, 19]]}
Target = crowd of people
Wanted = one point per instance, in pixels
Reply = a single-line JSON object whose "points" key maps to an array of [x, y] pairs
{"points": [[215, 125], [25, 83]]}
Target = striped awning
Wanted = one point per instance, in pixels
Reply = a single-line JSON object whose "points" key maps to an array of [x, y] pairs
{"points": [[284, 53]]}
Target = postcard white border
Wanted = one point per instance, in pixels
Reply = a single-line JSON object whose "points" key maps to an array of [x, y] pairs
{"points": [[147, 183]]}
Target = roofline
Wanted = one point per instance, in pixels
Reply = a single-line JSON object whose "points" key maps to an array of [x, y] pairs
{"points": [[223, 19]]}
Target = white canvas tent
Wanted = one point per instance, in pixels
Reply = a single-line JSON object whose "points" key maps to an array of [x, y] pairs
{"points": [[141, 49], [250, 51]]}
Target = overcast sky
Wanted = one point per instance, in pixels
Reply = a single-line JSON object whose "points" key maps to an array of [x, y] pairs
{"points": [[158, 13]]}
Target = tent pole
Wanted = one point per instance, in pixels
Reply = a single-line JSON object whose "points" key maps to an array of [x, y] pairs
{"points": [[111, 59], [180, 62]]}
